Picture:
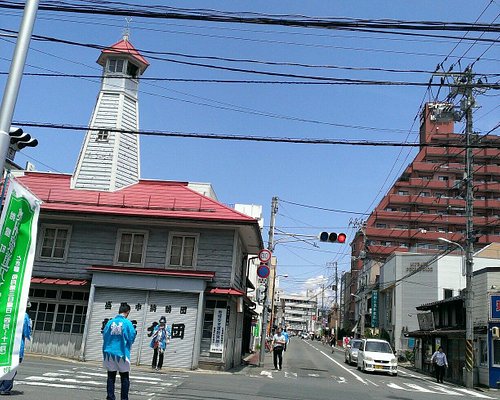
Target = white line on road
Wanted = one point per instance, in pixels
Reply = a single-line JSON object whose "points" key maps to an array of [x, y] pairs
{"points": [[373, 383], [419, 388], [59, 385], [473, 393], [444, 390], [341, 380], [269, 374], [313, 375], [339, 364]]}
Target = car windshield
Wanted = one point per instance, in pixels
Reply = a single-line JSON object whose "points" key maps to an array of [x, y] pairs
{"points": [[356, 345], [378, 347]]}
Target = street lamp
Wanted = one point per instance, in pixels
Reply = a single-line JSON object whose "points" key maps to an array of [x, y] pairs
{"points": [[467, 270], [462, 251]]}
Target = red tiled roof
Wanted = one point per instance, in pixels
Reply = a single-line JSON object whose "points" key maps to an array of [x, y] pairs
{"points": [[148, 198], [154, 271], [55, 281], [124, 46], [228, 291]]}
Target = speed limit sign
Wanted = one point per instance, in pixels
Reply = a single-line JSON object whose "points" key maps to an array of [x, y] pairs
{"points": [[264, 255]]}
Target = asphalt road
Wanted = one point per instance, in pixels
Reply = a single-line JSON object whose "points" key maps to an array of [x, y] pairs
{"points": [[310, 371]]}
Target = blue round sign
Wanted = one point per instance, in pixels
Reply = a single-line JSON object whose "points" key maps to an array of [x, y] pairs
{"points": [[263, 271]]}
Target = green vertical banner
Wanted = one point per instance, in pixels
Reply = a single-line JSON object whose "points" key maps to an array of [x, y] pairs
{"points": [[18, 226]]}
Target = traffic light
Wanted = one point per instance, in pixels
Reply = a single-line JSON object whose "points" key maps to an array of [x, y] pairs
{"points": [[20, 139], [332, 237]]}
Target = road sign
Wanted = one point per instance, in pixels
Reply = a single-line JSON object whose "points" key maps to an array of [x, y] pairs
{"points": [[264, 255], [263, 271]]}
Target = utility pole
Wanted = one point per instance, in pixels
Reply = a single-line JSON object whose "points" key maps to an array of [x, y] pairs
{"points": [[265, 313], [336, 304], [467, 104], [14, 80], [464, 84]]}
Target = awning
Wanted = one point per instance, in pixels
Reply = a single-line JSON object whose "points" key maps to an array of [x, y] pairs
{"points": [[226, 291], [63, 282], [208, 275], [456, 333]]}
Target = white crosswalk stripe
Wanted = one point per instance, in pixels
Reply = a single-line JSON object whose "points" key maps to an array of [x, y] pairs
{"points": [[417, 385], [142, 383]]}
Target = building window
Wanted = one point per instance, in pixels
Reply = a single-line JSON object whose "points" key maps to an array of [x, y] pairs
{"points": [[54, 242], [442, 178], [424, 194], [379, 225], [58, 311], [496, 353], [115, 65], [448, 293], [182, 250], [483, 352], [102, 135], [403, 193], [132, 69], [208, 323], [131, 247]]}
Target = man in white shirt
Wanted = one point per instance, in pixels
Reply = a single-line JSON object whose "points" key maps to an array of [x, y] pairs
{"points": [[439, 358], [279, 341]]}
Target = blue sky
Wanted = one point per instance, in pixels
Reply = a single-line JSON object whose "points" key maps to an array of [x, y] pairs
{"points": [[334, 177]]}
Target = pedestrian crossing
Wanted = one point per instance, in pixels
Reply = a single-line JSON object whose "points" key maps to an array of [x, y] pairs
{"points": [[142, 383], [406, 382]]}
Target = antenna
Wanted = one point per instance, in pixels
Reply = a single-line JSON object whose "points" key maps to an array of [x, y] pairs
{"points": [[126, 31]]}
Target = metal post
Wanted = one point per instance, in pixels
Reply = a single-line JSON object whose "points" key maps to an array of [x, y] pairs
{"points": [[469, 249], [15, 74], [270, 247]]}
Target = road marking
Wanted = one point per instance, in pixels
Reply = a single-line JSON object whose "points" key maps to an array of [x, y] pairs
{"points": [[340, 365], [290, 375], [341, 380], [65, 386], [394, 386], [473, 393], [373, 383], [313, 375], [419, 388], [269, 374], [445, 390]]}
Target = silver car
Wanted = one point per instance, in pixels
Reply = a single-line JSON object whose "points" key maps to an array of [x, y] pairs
{"points": [[351, 351]]}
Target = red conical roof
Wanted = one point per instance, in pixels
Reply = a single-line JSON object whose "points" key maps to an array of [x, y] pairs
{"points": [[124, 47]]}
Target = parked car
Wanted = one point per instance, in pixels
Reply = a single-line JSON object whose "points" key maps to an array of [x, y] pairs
{"points": [[351, 351], [304, 335], [377, 355]]}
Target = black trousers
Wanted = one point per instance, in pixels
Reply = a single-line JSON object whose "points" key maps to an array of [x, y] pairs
{"points": [[439, 372], [278, 357], [157, 358]]}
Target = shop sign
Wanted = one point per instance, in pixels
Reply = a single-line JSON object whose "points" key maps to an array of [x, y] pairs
{"points": [[495, 307], [374, 308], [218, 331]]}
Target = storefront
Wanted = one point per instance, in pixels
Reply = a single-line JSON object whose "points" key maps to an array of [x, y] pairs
{"points": [[178, 296]]}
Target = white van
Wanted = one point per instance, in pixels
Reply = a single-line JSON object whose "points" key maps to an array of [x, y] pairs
{"points": [[377, 355]]}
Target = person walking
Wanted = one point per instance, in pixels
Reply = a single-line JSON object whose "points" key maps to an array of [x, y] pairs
{"points": [[439, 358], [287, 337], [118, 337], [160, 338], [279, 341], [7, 383]]}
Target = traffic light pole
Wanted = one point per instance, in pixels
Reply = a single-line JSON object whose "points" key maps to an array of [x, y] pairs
{"points": [[265, 313], [14, 80]]}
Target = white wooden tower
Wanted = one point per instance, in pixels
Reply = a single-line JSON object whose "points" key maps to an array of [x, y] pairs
{"points": [[109, 160]]}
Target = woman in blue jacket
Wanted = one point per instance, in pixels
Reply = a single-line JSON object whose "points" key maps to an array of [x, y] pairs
{"points": [[160, 338]]}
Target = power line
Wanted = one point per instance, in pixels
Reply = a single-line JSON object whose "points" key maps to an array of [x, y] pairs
{"points": [[316, 141], [165, 12]]}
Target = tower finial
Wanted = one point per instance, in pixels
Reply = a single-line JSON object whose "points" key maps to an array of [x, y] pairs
{"points": [[126, 31]]}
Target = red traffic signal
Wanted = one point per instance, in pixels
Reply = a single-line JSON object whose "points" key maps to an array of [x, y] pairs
{"points": [[332, 237]]}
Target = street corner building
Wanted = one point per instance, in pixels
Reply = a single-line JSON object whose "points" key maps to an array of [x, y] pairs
{"points": [[169, 249]]}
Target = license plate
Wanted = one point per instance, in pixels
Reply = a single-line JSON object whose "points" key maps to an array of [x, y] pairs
{"points": [[379, 367]]}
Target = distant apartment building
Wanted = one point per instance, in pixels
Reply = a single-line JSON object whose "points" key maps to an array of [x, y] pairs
{"points": [[300, 312], [427, 203]]}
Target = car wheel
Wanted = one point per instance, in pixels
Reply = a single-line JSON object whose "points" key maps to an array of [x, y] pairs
{"points": [[395, 374]]}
